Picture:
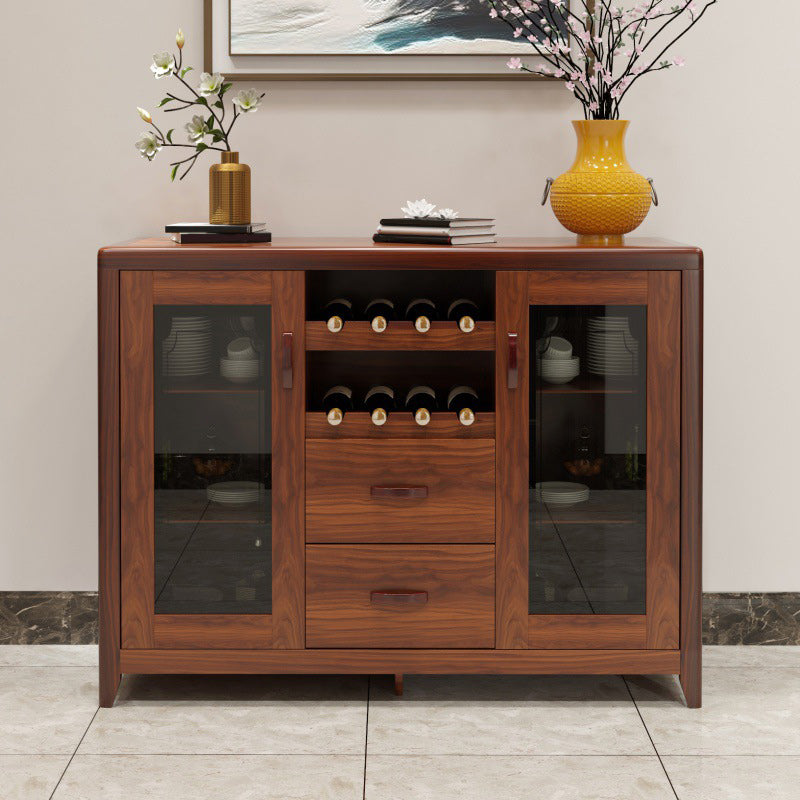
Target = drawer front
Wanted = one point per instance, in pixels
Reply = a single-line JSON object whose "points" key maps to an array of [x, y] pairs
{"points": [[400, 596], [400, 491]]}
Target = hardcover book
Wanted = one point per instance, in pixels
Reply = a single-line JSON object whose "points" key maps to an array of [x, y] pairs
{"points": [[434, 222], [207, 227]]}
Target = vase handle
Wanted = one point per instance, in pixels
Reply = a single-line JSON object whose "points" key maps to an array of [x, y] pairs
{"points": [[653, 191], [547, 190]]}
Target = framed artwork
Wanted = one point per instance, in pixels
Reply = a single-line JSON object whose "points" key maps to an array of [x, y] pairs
{"points": [[358, 39]]}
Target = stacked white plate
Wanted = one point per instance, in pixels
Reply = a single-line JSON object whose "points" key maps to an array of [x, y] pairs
{"points": [[186, 351], [235, 493], [555, 360], [612, 350], [561, 493], [239, 370]]}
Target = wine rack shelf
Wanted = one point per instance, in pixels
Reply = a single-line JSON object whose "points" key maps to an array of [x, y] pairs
{"points": [[400, 335], [400, 425]]}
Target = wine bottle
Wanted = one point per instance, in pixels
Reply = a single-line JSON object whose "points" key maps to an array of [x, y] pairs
{"points": [[337, 312], [379, 312], [421, 401], [337, 401], [379, 401], [465, 312], [463, 400], [422, 311]]}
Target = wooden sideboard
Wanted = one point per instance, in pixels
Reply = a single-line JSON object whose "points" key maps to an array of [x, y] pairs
{"points": [[242, 533]]}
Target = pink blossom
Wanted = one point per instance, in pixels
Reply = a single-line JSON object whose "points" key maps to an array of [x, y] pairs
{"points": [[493, 13], [678, 62], [514, 63], [517, 33]]}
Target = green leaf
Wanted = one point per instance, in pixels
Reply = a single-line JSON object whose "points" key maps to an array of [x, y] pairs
{"points": [[224, 88], [185, 70], [201, 101], [169, 135], [201, 146], [173, 173], [210, 122], [219, 104], [165, 101]]}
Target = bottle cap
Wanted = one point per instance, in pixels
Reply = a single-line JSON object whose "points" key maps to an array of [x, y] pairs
{"points": [[335, 416], [335, 324], [466, 324], [466, 416], [379, 324], [422, 324], [422, 416], [379, 416]]}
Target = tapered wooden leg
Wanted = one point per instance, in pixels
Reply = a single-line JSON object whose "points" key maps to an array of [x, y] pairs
{"points": [[398, 684], [109, 685], [692, 682]]}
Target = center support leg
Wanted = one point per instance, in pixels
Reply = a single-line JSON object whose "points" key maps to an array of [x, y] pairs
{"points": [[398, 684]]}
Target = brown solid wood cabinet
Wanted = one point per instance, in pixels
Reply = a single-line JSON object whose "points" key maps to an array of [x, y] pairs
{"points": [[241, 533]]}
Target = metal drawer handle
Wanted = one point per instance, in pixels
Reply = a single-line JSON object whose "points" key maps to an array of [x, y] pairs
{"points": [[398, 597], [401, 492], [513, 366], [286, 350]]}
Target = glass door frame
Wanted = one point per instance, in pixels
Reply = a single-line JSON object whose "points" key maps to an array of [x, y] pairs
{"points": [[140, 292], [660, 293]]}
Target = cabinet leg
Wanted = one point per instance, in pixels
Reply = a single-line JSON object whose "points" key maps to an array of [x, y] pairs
{"points": [[398, 684], [109, 685], [691, 683]]}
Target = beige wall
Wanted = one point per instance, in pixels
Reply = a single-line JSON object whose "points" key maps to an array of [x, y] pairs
{"points": [[718, 136]]}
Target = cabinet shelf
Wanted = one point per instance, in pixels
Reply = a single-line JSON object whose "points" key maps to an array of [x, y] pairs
{"points": [[210, 384], [589, 384], [604, 507], [400, 335], [400, 425]]}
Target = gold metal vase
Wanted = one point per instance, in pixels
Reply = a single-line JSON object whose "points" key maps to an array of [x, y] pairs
{"points": [[229, 191]]}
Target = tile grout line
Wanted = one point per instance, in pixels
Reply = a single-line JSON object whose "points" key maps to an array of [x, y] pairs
{"points": [[646, 730], [366, 741], [61, 777]]}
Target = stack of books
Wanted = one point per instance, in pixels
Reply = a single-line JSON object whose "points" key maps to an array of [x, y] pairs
{"points": [[433, 230], [206, 233]]}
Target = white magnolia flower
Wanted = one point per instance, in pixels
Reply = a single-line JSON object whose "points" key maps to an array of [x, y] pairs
{"points": [[247, 100], [196, 129], [180, 39], [144, 114], [163, 64], [148, 145], [210, 84], [418, 208], [447, 213]]}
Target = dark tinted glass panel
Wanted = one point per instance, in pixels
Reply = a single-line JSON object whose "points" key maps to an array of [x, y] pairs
{"points": [[588, 459], [213, 540]]}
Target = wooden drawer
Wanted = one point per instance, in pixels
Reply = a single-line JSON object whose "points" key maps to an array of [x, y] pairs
{"points": [[400, 596], [398, 491]]}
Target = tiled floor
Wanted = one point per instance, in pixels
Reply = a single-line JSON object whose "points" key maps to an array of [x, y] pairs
{"points": [[346, 738]]}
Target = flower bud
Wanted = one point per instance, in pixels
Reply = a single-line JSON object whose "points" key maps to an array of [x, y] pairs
{"points": [[145, 115], [179, 40]]}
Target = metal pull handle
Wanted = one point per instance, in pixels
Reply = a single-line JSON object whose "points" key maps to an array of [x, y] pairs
{"points": [[399, 492], [547, 186], [287, 340], [653, 191], [513, 366], [398, 597]]}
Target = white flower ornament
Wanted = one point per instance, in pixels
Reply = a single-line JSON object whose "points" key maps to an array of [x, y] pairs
{"points": [[148, 145], [196, 129], [210, 84], [447, 213], [163, 64], [418, 208], [247, 100]]}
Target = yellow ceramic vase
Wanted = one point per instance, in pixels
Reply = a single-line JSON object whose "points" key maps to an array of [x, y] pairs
{"points": [[229, 191], [601, 198]]}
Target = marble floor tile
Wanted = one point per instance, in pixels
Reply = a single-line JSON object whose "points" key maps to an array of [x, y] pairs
{"points": [[48, 655], [45, 710], [516, 778], [30, 777], [734, 777], [248, 714], [745, 712], [758, 656], [230, 777], [536, 715]]}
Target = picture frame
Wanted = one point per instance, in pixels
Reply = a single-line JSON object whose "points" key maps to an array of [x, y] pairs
{"points": [[250, 67]]}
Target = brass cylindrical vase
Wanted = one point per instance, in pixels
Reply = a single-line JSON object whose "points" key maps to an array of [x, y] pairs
{"points": [[229, 191]]}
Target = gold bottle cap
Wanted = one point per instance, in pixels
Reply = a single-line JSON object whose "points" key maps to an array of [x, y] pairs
{"points": [[422, 416], [335, 416], [422, 324], [466, 416], [335, 324], [379, 324], [379, 416], [466, 324], [229, 157]]}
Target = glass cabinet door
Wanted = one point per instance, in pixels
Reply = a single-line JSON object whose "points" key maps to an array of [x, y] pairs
{"points": [[208, 395], [595, 464]]}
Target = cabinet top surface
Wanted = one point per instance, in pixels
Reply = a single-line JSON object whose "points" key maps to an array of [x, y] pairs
{"points": [[355, 253]]}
